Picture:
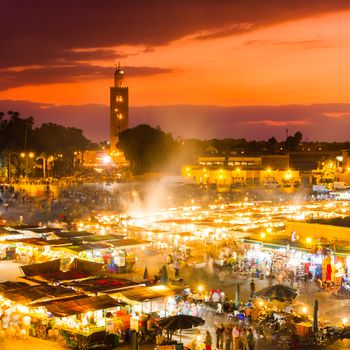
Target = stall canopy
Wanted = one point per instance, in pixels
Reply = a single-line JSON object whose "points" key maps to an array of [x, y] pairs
{"points": [[73, 234], [28, 294], [44, 229], [129, 243], [141, 294], [77, 306], [40, 242], [51, 271], [52, 266], [103, 238], [9, 285], [97, 285]]}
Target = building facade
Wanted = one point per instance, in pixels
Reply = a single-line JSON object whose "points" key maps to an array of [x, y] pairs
{"points": [[119, 107]]}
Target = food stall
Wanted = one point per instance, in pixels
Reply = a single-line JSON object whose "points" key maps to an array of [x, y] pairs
{"points": [[80, 322], [158, 299]]}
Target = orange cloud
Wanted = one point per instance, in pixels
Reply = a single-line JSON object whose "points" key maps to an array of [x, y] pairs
{"points": [[278, 123], [336, 115]]}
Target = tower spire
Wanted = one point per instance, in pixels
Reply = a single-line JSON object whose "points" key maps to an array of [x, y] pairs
{"points": [[119, 76]]}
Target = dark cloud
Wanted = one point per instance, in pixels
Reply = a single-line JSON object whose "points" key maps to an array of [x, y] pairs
{"points": [[316, 122], [65, 74], [41, 32]]}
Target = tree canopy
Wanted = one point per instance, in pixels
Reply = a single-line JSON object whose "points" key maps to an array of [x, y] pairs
{"points": [[145, 147], [18, 134]]}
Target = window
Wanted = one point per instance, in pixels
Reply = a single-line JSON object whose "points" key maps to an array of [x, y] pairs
{"points": [[120, 116], [119, 98]]}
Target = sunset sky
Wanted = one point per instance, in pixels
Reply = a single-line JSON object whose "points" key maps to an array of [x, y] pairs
{"points": [[197, 68]]}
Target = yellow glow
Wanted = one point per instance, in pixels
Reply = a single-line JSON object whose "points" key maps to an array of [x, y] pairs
{"points": [[345, 320], [200, 288], [262, 234], [304, 310], [288, 175], [106, 159], [159, 288], [308, 240], [23, 154]]}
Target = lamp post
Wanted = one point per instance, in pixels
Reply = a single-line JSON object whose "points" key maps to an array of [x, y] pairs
{"points": [[25, 155], [44, 166]]}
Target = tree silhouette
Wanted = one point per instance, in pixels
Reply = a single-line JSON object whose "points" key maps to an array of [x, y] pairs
{"points": [[146, 148]]}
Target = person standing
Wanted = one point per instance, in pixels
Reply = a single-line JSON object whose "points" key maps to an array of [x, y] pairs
{"points": [[219, 332], [228, 338], [250, 339], [252, 289], [208, 341], [244, 340], [235, 338]]}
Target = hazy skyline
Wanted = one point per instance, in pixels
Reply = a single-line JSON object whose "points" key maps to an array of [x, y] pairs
{"points": [[236, 68]]}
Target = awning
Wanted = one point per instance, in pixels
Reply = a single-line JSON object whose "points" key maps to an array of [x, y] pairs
{"points": [[40, 242], [52, 266], [97, 285], [142, 293], [81, 305], [9, 285], [28, 294], [50, 271], [129, 243], [73, 234]]}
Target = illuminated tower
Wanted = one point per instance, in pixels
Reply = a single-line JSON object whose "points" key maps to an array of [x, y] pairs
{"points": [[119, 107]]}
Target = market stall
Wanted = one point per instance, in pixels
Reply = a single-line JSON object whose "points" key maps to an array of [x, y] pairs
{"points": [[159, 300], [80, 322]]}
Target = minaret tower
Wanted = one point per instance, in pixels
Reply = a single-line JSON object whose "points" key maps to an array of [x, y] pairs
{"points": [[119, 107]]}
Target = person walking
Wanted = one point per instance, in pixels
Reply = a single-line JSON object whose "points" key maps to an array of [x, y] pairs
{"points": [[252, 289], [208, 341]]}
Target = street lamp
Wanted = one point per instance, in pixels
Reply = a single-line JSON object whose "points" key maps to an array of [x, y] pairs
{"points": [[26, 156]]}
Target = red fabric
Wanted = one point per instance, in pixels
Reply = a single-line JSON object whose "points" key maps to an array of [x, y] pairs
{"points": [[307, 267], [329, 272]]}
